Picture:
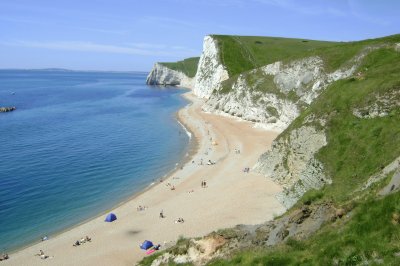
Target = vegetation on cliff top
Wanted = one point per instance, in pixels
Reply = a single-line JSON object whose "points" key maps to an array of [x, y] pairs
{"points": [[243, 53], [188, 66], [240, 54]]}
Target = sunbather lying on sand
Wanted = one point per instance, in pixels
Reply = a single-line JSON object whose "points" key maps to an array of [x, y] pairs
{"points": [[41, 255], [83, 240], [180, 220]]}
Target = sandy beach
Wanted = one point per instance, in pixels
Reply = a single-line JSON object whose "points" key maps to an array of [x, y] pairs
{"points": [[230, 197]]}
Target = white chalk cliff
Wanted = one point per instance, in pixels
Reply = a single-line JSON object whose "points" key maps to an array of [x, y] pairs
{"points": [[162, 75], [210, 71]]}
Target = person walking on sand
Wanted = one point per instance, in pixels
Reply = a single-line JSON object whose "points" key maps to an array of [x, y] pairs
{"points": [[205, 184], [162, 214]]}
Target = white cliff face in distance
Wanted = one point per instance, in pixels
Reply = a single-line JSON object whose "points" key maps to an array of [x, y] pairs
{"points": [[210, 72], [162, 75]]}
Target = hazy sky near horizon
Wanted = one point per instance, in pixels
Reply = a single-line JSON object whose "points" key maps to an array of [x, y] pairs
{"points": [[125, 35]]}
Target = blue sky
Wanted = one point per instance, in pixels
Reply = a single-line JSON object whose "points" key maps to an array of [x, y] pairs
{"points": [[125, 35]]}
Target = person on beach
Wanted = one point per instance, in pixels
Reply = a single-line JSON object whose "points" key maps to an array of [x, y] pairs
{"points": [[77, 243], [205, 183], [41, 255], [88, 239], [162, 214], [180, 220], [4, 257]]}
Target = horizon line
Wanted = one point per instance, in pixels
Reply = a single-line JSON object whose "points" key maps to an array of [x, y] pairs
{"points": [[74, 70]]}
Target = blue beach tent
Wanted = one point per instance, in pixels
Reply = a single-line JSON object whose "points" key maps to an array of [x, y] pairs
{"points": [[146, 245], [110, 217]]}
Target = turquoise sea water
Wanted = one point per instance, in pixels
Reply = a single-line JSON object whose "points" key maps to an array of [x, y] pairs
{"points": [[78, 144]]}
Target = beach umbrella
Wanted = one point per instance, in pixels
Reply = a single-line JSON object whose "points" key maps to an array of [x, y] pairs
{"points": [[111, 217]]}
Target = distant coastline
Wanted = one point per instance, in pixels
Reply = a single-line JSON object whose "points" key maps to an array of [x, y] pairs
{"points": [[73, 70]]}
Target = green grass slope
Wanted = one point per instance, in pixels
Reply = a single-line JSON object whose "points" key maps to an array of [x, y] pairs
{"points": [[240, 54], [370, 237], [358, 147], [187, 66]]}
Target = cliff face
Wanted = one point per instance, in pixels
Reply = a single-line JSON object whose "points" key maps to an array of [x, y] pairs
{"points": [[275, 94], [209, 76], [291, 162], [210, 72], [162, 75]]}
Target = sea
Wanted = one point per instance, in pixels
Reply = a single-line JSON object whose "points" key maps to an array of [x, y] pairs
{"points": [[78, 144]]}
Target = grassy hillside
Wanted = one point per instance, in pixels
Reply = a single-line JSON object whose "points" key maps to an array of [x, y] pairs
{"points": [[370, 237], [187, 66], [243, 53], [358, 147]]}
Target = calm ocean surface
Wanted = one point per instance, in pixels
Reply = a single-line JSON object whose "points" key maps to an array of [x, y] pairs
{"points": [[78, 144]]}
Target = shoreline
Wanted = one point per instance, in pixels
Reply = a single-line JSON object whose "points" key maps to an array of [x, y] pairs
{"points": [[191, 151], [186, 201]]}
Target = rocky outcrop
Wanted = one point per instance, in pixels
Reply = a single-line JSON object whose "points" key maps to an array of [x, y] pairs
{"points": [[380, 106], [291, 162], [7, 109], [397, 47], [297, 225], [162, 75], [210, 71], [273, 111], [392, 167]]}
